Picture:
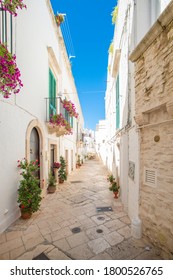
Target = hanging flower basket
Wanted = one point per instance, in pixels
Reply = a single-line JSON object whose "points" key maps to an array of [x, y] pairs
{"points": [[12, 5], [70, 107], [59, 121], [9, 73]]}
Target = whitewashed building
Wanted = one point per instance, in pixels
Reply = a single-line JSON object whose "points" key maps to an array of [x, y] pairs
{"points": [[100, 138], [24, 118], [89, 141], [133, 21]]}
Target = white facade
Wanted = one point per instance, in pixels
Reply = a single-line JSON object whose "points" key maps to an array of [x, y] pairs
{"points": [[89, 141], [122, 143], [100, 140], [39, 46]]}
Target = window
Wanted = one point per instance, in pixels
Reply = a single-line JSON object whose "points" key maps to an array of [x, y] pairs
{"points": [[117, 104], [71, 121], [6, 29], [52, 94], [67, 116]]}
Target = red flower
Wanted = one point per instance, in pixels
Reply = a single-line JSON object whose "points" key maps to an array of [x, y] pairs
{"points": [[22, 206], [56, 165]]}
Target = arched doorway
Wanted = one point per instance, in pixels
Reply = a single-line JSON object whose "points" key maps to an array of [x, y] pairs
{"points": [[35, 146]]}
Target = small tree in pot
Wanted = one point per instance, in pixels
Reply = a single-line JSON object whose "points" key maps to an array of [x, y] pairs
{"points": [[62, 174], [29, 192], [115, 189], [51, 183]]}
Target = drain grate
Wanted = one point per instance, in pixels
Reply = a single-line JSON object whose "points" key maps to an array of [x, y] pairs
{"points": [[42, 256], [99, 230], [104, 209], [100, 218], [74, 182], [76, 230]]}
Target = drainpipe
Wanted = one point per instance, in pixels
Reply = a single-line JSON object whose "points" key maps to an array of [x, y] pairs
{"points": [[136, 224]]}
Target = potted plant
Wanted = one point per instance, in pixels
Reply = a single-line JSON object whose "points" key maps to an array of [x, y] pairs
{"points": [[115, 189], [59, 121], [51, 183], [62, 174], [59, 19], [29, 192], [78, 164], [110, 178]]}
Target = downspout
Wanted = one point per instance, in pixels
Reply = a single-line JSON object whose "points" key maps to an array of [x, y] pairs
{"points": [[136, 224]]}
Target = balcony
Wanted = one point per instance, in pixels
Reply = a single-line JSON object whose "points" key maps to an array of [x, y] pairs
{"points": [[58, 120], [80, 140]]}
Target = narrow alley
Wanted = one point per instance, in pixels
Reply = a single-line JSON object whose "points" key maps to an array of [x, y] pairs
{"points": [[70, 225]]}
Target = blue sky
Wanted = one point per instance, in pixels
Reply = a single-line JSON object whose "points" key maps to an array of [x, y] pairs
{"points": [[91, 31]]}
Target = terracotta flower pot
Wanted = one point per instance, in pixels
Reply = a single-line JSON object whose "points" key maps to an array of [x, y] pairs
{"points": [[51, 189], [116, 194], [26, 213], [61, 181]]}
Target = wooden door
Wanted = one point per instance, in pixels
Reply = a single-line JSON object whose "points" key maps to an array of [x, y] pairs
{"points": [[35, 147]]}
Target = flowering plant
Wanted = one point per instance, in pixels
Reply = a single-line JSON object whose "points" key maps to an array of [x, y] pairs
{"points": [[9, 73], [59, 120], [59, 19], [70, 107], [62, 174], [29, 193], [12, 5], [56, 165]]}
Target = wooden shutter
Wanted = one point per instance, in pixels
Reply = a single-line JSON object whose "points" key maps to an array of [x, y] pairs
{"points": [[52, 94]]}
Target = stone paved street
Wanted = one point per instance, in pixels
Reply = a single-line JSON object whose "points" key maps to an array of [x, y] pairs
{"points": [[102, 235]]}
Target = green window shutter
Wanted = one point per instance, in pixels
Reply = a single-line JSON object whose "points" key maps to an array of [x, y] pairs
{"points": [[71, 121], [117, 103], [52, 93]]}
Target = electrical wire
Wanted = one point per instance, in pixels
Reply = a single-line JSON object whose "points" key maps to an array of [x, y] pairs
{"points": [[67, 37]]}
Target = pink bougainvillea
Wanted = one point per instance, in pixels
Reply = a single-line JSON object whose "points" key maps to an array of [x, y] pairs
{"points": [[10, 81], [60, 121], [70, 107], [12, 5]]}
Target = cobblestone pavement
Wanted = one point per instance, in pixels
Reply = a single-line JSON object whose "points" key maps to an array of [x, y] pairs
{"points": [[68, 225]]}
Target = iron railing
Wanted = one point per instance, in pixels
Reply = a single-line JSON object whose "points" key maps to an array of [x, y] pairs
{"points": [[6, 29], [55, 106]]}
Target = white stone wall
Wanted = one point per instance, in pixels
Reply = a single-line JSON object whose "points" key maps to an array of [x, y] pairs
{"points": [[125, 138], [36, 31], [154, 114]]}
